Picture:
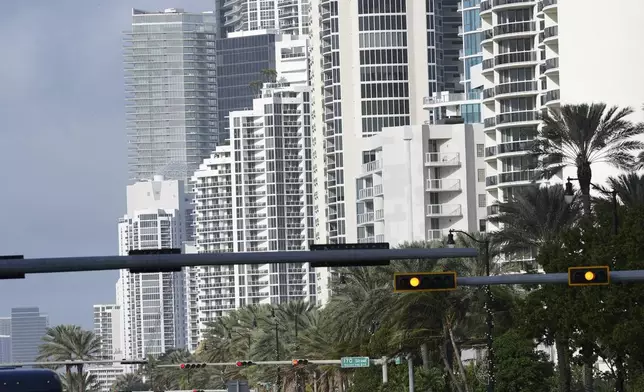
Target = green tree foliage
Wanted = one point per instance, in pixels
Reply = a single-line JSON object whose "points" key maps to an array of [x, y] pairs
{"points": [[71, 342], [520, 366]]}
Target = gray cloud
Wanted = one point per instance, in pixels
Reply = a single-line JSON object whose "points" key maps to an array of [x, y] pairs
{"points": [[62, 144]]}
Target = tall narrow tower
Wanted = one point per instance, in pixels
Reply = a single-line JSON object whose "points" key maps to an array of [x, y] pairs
{"points": [[170, 91]]}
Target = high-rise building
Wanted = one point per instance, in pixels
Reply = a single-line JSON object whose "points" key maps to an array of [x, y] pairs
{"points": [[288, 16], [5, 349], [153, 304], [5, 325], [255, 194], [106, 323], [241, 58], [28, 326], [404, 50], [170, 91], [245, 60]]}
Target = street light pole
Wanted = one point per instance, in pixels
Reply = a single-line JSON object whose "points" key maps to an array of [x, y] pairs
{"points": [[489, 317]]}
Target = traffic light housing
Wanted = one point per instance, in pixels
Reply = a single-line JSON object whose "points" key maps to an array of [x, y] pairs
{"points": [[192, 365], [244, 363], [424, 281], [300, 362], [589, 276]]}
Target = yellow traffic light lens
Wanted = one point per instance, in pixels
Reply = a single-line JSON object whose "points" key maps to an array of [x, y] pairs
{"points": [[414, 282], [589, 275]]}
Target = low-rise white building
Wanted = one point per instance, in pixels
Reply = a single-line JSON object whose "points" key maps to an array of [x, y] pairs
{"points": [[417, 182], [107, 322], [106, 375]]}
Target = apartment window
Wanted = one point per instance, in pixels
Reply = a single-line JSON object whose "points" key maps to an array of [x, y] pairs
{"points": [[480, 150], [482, 200], [482, 225], [481, 175]]}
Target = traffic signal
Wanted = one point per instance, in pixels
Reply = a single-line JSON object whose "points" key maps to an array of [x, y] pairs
{"points": [[244, 363], [192, 365], [589, 276], [300, 362], [198, 390], [424, 281]]}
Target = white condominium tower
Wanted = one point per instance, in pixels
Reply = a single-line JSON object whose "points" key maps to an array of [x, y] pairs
{"points": [[373, 62], [255, 194], [171, 92], [286, 16], [107, 326], [153, 304]]}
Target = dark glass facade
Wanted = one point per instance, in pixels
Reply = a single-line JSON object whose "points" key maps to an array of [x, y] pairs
{"points": [[240, 61]]}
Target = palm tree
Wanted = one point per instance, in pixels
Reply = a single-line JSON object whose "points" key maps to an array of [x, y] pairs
{"points": [[70, 342], [629, 188], [129, 382], [533, 219], [581, 135], [80, 382]]}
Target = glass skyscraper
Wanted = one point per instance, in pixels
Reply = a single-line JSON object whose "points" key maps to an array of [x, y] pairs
{"points": [[240, 61], [171, 92], [471, 55], [28, 326]]}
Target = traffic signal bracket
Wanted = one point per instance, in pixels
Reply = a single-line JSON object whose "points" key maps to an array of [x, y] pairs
{"points": [[589, 276], [425, 282]]}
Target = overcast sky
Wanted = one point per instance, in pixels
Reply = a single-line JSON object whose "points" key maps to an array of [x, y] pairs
{"points": [[63, 144]]}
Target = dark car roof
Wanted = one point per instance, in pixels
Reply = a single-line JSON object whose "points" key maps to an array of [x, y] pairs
{"points": [[29, 380]]}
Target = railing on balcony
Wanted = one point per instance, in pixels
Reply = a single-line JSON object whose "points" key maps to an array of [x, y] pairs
{"points": [[442, 159], [444, 185], [517, 176], [367, 217], [444, 210], [436, 235]]}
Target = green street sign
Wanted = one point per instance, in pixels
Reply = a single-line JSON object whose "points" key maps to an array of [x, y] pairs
{"points": [[355, 362]]}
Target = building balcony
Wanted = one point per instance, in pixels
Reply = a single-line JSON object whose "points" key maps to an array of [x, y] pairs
{"points": [[367, 240], [444, 210], [488, 95], [365, 193], [485, 8], [516, 89], [434, 159], [549, 6], [445, 185], [372, 167], [501, 5], [551, 35], [436, 235], [551, 98], [366, 218], [512, 148], [513, 178], [450, 99], [515, 60], [514, 30], [528, 117]]}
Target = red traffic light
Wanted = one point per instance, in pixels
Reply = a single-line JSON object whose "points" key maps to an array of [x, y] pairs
{"points": [[239, 363], [244, 363], [299, 362], [182, 366]]}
